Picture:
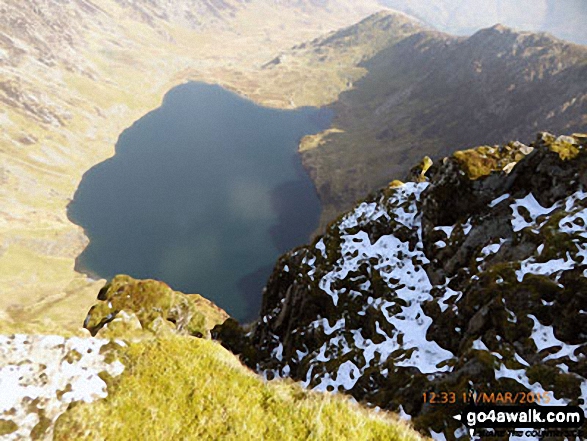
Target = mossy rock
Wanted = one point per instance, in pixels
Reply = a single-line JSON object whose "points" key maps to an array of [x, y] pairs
{"points": [[484, 160], [127, 307], [567, 147]]}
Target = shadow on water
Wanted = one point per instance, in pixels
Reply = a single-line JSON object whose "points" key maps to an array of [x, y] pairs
{"points": [[251, 287], [203, 193], [297, 207]]}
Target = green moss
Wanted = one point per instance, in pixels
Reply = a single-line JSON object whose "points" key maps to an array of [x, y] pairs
{"points": [[542, 373], [478, 162], [41, 428], [179, 387], [60, 393], [551, 378], [566, 385], [155, 305], [73, 356]]}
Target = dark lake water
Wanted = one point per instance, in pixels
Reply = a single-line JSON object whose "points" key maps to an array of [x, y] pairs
{"points": [[203, 193]]}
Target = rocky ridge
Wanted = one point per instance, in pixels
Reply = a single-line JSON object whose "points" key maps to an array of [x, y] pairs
{"points": [[471, 276], [563, 19], [430, 93]]}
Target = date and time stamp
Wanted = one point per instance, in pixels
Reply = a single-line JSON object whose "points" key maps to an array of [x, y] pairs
{"points": [[485, 398], [489, 414]]}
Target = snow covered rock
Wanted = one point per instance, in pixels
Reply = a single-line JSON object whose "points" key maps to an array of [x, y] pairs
{"points": [[472, 278], [41, 375]]}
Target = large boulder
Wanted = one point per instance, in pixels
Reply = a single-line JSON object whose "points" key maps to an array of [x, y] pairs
{"points": [[127, 307]]}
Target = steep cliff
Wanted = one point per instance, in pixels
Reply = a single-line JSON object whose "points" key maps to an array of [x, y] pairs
{"points": [[469, 277], [430, 93]]}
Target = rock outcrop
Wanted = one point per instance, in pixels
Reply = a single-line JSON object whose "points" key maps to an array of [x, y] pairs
{"points": [[128, 307], [472, 279]]}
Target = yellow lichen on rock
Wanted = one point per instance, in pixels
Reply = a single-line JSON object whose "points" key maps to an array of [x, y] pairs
{"points": [[567, 147], [127, 307], [426, 164], [418, 172], [482, 161]]}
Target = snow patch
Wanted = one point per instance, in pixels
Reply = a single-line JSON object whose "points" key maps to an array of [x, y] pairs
{"points": [[496, 201], [321, 247], [364, 213], [548, 268], [52, 370], [346, 377], [534, 208], [402, 413]]}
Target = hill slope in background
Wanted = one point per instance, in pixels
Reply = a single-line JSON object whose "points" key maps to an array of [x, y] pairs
{"points": [[429, 93], [470, 278], [561, 18], [75, 73]]}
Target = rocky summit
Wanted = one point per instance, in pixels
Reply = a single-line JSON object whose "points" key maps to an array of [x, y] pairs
{"points": [[470, 279]]}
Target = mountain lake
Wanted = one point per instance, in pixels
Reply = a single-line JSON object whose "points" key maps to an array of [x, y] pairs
{"points": [[203, 193]]}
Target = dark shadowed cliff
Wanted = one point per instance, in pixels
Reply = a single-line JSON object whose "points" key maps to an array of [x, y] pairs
{"points": [[469, 277]]}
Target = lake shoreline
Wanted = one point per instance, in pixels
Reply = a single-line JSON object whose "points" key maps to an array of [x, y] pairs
{"points": [[225, 210]]}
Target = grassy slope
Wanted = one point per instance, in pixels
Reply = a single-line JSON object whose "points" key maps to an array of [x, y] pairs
{"points": [[186, 388]]}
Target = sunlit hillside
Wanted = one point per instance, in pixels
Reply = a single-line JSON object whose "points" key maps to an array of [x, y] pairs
{"points": [[74, 74]]}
